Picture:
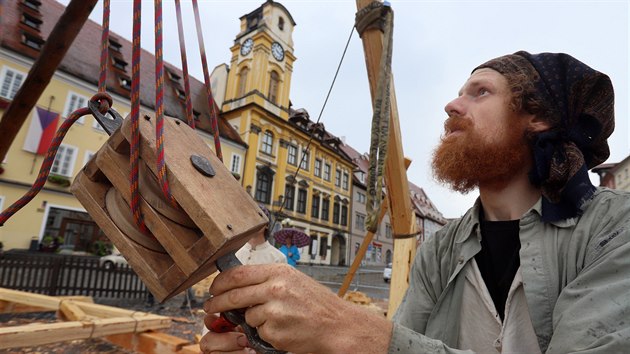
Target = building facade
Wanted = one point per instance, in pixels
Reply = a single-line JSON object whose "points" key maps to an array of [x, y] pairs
{"points": [[25, 26], [293, 166], [614, 175]]}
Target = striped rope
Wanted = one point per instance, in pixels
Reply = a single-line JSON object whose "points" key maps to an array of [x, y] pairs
{"points": [[105, 102], [102, 79], [159, 105], [182, 49], [134, 156], [380, 121], [214, 114]]}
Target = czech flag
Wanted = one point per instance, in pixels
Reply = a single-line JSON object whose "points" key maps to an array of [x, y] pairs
{"points": [[41, 131]]}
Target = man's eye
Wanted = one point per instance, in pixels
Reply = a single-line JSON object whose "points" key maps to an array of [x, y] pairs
{"points": [[482, 92]]}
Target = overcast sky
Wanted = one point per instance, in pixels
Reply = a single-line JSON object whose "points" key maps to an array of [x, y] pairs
{"points": [[436, 44]]}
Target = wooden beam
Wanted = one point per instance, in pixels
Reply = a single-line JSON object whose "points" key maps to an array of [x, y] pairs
{"points": [[150, 342], [361, 252], [38, 334], [57, 44], [93, 320], [70, 311], [397, 186]]}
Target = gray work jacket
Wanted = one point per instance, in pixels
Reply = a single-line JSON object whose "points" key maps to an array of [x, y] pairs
{"points": [[576, 276]]}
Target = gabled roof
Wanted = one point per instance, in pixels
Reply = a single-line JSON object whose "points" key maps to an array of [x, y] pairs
{"points": [[83, 62]]}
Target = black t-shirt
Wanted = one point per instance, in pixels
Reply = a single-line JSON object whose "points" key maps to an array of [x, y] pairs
{"points": [[498, 259]]}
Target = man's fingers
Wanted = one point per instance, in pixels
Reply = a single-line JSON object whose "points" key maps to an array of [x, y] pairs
{"points": [[229, 342], [241, 276], [235, 299]]}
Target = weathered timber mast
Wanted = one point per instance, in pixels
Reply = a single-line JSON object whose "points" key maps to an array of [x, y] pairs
{"points": [[401, 214]]}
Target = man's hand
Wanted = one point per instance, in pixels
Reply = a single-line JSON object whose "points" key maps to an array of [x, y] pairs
{"points": [[292, 312]]}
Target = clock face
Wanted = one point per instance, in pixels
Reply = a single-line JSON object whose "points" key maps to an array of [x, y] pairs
{"points": [[247, 46], [277, 51]]}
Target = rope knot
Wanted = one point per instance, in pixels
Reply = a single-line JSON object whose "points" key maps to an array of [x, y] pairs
{"points": [[104, 101]]}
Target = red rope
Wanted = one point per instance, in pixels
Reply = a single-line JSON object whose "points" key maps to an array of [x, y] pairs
{"points": [[134, 156], [182, 49], [105, 102], [214, 114], [159, 105], [102, 80]]}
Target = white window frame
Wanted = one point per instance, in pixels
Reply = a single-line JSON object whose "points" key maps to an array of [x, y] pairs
{"points": [[292, 155], [87, 156], [327, 172], [317, 168], [345, 180], [235, 167], [12, 89], [72, 106], [305, 160], [61, 153], [264, 144], [1, 202], [361, 197]]}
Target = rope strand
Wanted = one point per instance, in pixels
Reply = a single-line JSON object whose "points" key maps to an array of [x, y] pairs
{"points": [[182, 48], [159, 106], [214, 114], [134, 156], [102, 79]]}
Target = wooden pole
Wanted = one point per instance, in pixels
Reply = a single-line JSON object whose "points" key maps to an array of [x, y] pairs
{"points": [[397, 186], [361, 252], [57, 44]]}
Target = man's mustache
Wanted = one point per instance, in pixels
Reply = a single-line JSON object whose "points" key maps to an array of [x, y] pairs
{"points": [[453, 123]]}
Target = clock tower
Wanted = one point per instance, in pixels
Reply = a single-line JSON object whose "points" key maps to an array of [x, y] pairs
{"points": [[262, 61]]}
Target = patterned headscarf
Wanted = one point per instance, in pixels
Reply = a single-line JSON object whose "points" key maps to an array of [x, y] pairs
{"points": [[579, 107]]}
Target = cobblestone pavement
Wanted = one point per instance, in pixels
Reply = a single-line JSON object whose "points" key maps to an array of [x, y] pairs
{"points": [[187, 321]]}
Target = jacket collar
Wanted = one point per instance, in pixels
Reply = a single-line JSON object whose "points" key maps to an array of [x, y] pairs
{"points": [[469, 223]]}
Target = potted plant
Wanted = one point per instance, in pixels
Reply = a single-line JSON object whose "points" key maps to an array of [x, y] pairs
{"points": [[59, 180]]}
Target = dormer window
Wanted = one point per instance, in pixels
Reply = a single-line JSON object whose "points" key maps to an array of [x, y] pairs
{"points": [[181, 94], [33, 4], [31, 21], [280, 23], [119, 63], [114, 45], [125, 83], [32, 41], [173, 76]]}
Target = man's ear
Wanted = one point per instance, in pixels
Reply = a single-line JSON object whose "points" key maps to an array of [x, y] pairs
{"points": [[537, 125]]}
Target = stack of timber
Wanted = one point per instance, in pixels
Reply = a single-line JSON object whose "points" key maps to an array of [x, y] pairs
{"points": [[83, 319]]}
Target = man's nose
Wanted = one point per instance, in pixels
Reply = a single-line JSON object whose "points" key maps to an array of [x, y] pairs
{"points": [[455, 108]]}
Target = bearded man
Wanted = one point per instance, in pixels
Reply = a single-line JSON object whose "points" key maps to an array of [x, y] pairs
{"points": [[539, 264]]}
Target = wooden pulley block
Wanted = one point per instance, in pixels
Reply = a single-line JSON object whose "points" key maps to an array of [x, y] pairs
{"points": [[215, 214]]}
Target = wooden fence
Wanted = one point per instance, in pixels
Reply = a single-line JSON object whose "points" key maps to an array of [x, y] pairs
{"points": [[53, 274]]}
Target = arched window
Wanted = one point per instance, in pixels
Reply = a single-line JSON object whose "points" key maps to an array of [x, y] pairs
{"points": [[242, 82], [274, 82], [281, 23]]}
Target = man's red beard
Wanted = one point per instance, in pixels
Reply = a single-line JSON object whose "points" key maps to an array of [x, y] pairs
{"points": [[467, 161]]}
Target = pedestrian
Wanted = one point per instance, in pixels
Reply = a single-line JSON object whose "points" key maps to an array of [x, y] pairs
{"points": [[290, 251], [258, 250], [538, 264]]}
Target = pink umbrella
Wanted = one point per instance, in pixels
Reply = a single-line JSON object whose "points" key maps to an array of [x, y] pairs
{"points": [[299, 238]]}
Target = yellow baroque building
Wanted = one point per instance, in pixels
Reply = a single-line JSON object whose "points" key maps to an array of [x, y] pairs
{"points": [[293, 166]]}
